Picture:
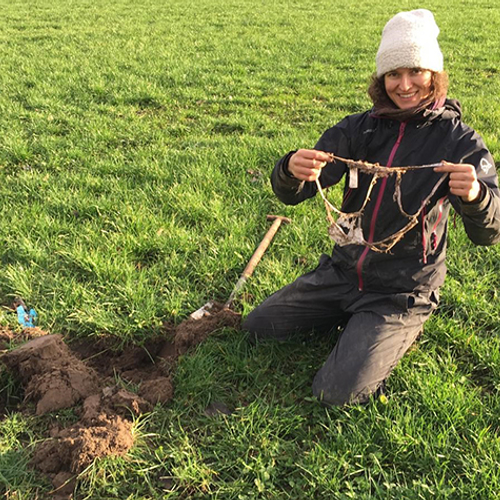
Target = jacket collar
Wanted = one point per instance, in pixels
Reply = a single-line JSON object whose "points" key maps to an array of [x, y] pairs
{"points": [[448, 109]]}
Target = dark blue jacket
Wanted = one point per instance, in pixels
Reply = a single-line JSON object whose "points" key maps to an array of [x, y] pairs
{"points": [[417, 261]]}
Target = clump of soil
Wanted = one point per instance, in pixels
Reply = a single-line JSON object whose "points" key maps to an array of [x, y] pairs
{"points": [[103, 429], [74, 448], [9, 400], [157, 390], [7, 337], [191, 332], [51, 374], [56, 375]]}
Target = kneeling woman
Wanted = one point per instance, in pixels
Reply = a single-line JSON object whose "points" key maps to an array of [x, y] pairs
{"points": [[382, 299]]}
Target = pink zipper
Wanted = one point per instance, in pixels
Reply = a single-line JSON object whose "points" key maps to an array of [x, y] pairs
{"points": [[359, 266], [346, 197], [424, 239]]}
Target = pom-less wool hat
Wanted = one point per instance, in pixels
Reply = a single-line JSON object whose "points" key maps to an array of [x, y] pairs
{"points": [[409, 40]]}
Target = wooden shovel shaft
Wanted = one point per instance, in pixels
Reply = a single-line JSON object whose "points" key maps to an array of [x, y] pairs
{"points": [[249, 269], [257, 255]]}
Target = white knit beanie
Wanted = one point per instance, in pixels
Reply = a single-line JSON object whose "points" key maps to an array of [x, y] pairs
{"points": [[409, 40]]}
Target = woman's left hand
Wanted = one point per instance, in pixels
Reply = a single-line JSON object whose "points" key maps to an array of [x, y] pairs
{"points": [[463, 180]]}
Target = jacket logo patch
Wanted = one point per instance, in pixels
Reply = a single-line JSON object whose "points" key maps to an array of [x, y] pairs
{"points": [[485, 165]]}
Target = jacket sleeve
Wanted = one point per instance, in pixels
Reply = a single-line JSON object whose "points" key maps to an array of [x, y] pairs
{"points": [[292, 191], [481, 219]]}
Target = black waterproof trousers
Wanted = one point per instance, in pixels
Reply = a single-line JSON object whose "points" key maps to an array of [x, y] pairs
{"points": [[379, 328]]}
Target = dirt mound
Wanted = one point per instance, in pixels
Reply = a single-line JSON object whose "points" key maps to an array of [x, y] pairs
{"points": [[56, 375], [191, 332], [101, 431], [73, 449], [157, 390], [8, 337], [51, 374], [10, 401]]}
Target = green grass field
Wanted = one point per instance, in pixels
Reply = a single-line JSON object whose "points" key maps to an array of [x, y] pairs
{"points": [[136, 142]]}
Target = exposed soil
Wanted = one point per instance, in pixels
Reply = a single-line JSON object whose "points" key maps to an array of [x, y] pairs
{"points": [[51, 375], [83, 374], [192, 332]]}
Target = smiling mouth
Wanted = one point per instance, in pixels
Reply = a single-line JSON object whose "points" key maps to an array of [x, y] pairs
{"points": [[408, 96]]}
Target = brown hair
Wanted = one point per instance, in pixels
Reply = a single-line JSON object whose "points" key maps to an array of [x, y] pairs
{"points": [[380, 99]]}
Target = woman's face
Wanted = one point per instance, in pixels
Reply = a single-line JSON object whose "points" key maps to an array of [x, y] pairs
{"points": [[406, 87]]}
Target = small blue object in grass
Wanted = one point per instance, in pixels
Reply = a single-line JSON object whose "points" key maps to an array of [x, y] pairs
{"points": [[25, 318]]}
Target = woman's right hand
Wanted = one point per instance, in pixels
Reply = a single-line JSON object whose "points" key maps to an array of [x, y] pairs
{"points": [[306, 164]]}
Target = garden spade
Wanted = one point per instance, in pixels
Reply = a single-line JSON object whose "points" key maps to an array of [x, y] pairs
{"points": [[249, 269]]}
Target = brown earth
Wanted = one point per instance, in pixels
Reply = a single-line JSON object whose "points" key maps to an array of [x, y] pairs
{"points": [[57, 375], [51, 375], [192, 332]]}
